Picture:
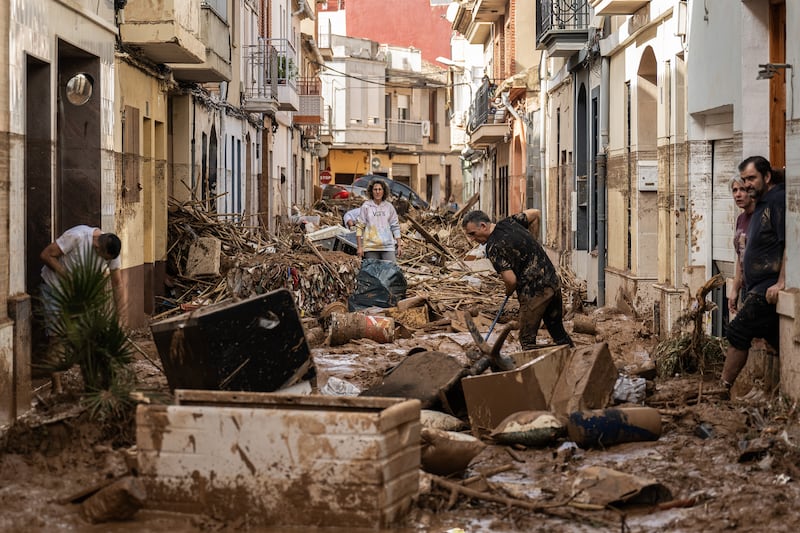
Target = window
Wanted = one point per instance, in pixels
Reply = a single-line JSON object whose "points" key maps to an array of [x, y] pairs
{"points": [[433, 110], [402, 106], [220, 7]]}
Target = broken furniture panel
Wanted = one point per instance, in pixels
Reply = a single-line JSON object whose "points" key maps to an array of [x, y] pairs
{"points": [[204, 257], [587, 381], [490, 398], [282, 460], [433, 378], [256, 344]]}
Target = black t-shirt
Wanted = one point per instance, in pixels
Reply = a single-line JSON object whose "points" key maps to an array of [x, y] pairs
{"points": [[512, 247], [766, 237]]}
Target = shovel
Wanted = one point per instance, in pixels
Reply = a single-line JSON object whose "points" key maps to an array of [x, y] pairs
{"points": [[494, 322]]}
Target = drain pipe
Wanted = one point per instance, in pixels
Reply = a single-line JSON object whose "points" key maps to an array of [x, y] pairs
{"points": [[193, 151], [602, 166]]}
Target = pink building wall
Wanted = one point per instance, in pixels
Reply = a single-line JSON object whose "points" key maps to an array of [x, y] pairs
{"points": [[401, 23]]}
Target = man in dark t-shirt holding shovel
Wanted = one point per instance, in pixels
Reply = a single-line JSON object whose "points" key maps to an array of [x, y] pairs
{"points": [[525, 268]]}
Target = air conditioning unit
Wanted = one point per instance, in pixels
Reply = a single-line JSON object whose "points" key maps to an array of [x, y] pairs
{"points": [[426, 128]]}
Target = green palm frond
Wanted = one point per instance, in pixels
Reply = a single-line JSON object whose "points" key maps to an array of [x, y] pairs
{"points": [[86, 324], [114, 402]]}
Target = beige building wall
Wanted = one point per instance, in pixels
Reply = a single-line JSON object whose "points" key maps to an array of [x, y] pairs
{"points": [[140, 140], [40, 38], [559, 168], [526, 54], [8, 408], [789, 301], [647, 157]]}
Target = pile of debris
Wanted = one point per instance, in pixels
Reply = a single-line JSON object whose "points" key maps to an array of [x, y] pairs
{"points": [[212, 258]]}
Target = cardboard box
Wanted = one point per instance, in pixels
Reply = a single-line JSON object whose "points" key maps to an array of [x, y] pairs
{"points": [[282, 460], [492, 397]]}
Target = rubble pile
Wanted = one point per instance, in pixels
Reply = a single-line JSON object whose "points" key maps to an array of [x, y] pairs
{"points": [[251, 262], [435, 259]]}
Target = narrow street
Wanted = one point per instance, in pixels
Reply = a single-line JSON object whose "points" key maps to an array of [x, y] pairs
{"points": [[431, 265], [723, 464]]}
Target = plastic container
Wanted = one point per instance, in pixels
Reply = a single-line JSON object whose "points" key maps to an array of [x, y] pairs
{"points": [[604, 427], [326, 233], [344, 244]]}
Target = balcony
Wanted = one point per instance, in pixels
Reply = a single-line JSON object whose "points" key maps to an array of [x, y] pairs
{"points": [[324, 36], [270, 77], [166, 31], [403, 132], [325, 131], [259, 88], [617, 7], [562, 26], [475, 20], [487, 123], [311, 102], [215, 34], [489, 10]]}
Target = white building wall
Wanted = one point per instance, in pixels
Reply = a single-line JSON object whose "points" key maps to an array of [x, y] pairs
{"points": [[793, 147], [729, 110], [35, 29]]}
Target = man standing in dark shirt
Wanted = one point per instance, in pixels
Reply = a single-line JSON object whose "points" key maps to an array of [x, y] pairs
{"points": [[764, 266], [524, 266]]}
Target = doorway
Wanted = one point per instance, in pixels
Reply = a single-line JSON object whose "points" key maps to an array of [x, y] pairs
{"points": [[78, 198]]}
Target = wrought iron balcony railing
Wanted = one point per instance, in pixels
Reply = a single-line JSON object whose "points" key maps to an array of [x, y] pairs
{"points": [[560, 15], [481, 111], [268, 63]]}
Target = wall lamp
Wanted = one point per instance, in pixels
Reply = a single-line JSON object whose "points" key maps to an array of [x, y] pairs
{"points": [[768, 70]]}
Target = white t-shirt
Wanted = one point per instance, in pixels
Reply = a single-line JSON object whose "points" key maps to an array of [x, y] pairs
{"points": [[72, 242], [351, 215]]}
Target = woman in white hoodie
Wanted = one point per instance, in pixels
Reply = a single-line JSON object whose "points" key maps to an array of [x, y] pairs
{"points": [[377, 229]]}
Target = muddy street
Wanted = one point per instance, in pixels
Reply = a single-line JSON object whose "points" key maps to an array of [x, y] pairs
{"points": [[727, 464], [420, 412]]}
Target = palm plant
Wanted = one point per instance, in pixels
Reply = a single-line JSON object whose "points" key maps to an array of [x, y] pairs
{"points": [[86, 325]]}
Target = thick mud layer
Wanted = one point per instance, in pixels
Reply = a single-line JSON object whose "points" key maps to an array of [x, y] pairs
{"points": [[730, 465]]}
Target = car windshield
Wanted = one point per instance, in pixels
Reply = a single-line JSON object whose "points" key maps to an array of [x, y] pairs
{"points": [[396, 188]]}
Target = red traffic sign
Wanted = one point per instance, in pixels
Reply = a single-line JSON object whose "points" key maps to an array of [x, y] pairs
{"points": [[325, 177]]}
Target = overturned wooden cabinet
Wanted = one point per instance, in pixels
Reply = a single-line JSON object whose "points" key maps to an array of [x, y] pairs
{"points": [[256, 345], [282, 460]]}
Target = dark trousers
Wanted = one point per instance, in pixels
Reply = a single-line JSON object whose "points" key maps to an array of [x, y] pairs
{"points": [[533, 310]]}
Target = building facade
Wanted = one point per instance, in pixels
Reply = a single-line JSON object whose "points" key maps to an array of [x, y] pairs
{"points": [[503, 157], [111, 109], [386, 115]]}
